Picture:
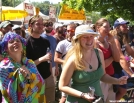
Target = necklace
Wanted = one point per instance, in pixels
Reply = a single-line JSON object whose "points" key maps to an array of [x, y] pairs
{"points": [[90, 66]]}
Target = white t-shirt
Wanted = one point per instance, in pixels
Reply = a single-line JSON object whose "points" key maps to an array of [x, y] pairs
{"points": [[63, 46]]}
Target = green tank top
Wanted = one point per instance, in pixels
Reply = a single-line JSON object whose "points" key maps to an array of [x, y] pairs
{"points": [[81, 80]]}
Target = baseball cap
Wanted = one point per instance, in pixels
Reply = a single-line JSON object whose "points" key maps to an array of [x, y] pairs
{"points": [[120, 21], [5, 24], [84, 29], [15, 27]]}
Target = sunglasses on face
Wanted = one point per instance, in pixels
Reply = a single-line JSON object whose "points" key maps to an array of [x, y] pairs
{"points": [[47, 25], [70, 30]]}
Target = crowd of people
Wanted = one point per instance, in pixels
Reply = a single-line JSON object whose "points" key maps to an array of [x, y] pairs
{"points": [[73, 63]]}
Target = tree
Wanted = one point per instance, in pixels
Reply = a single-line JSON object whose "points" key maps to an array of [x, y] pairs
{"points": [[11, 3], [44, 6], [108, 8]]}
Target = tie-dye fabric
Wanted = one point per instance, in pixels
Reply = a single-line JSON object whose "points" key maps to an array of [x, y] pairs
{"points": [[14, 86]]}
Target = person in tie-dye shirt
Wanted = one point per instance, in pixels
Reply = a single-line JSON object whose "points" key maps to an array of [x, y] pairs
{"points": [[20, 81]]}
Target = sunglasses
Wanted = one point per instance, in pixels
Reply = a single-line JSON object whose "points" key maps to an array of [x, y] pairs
{"points": [[47, 25], [70, 30]]}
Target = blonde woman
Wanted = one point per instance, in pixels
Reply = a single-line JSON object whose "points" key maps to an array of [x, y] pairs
{"points": [[85, 65]]}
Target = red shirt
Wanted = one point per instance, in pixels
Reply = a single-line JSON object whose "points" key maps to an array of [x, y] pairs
{"points": [[107, 54]]}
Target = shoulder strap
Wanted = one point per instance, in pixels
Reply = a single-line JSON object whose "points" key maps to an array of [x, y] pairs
{"points": [[97, 53]]}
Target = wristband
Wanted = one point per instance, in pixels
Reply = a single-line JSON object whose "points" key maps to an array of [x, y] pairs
{"points": [[82, 95]]}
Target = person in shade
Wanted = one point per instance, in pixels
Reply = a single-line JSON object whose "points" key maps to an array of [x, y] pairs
{"points": [[20, 81], [85, 66]]}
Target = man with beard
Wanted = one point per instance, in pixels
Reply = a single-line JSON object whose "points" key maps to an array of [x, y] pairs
{"points": [[120, 32], [48, 27], [36, 49]]}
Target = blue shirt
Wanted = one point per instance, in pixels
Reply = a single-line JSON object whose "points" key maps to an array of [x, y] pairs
{"points": [[53, 45]]}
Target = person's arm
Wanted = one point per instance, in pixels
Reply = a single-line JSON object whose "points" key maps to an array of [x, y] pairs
{"points": [[108, 61], [56, 69], [107, 78], [57, 58], [44, 58], [115, 53], [123, 61], [65, 79]]}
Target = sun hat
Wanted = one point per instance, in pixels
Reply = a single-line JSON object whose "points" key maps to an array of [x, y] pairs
{"points": [[120, 21], [84, 29], [5, 24]]}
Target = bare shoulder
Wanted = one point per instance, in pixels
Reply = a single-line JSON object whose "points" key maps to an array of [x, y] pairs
{"points": [[71, 59]]}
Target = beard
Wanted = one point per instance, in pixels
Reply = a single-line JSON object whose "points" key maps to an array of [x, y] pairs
{"points": [[48, 30]]}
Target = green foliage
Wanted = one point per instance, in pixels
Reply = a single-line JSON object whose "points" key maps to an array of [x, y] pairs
{"points": [[11, 3], [108, 8], [44, 6]]}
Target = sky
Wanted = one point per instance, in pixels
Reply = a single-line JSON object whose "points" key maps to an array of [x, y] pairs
{"points": [[51, 1]]}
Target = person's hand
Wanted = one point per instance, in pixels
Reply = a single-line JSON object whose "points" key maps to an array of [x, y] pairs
{"points": [[56, 71], [25, 72], [123, 80], [110, 38], [47, 57], [88, 97], [132, 75]]}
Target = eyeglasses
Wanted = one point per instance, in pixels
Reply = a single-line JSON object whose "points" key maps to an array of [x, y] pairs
{"points": [[48, 25], [70, 30]]}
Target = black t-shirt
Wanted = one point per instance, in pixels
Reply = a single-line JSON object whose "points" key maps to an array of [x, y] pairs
{"points": [[36, 48]]}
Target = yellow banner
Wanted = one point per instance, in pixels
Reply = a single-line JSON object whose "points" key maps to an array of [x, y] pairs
{"points": [[67, 13]]}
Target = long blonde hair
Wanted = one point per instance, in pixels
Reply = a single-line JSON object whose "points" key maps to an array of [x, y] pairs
{"points": [[76, 50]]}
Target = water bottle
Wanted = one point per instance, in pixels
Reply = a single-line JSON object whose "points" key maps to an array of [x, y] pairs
{"points": [[91, 91], [48, 51]]}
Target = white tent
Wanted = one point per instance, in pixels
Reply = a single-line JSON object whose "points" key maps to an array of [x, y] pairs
{"points": [[21, 6], [41, 14]]}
